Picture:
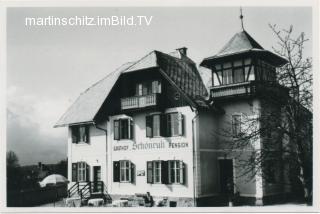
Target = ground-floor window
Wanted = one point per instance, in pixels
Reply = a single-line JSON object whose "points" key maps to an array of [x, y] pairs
{"points": [[166, 172], [176, 169], [123, 171], [80, 172]]}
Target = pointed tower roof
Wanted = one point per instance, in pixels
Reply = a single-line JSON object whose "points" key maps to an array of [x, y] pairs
{"points": [[243, 44], [240, 42]]}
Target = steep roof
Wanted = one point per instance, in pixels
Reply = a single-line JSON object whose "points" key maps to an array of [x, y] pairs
{"points": [[243, 43], [240, 42], [181, 72], [89, 102]]}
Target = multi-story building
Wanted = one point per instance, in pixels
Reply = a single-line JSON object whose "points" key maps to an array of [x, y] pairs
{"points": [[153, 126]]}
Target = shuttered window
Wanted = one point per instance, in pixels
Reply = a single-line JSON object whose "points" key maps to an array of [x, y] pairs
{"points": [[123, 171], [166, 125], [82, 169], [175, 124], [153, 125], [80, 134], [176, 172], [123, 129], [166, 172]]}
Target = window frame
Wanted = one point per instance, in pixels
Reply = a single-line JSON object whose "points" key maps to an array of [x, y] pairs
{"points": [[80, 138], [235, 132], [119, 129], [150, 125], [222, 69], [170, 129], [82, 171], [126, 170], [178, 172], [154, 171]]}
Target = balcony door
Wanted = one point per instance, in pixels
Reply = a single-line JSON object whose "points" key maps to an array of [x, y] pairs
{"points": [[149, 87]]}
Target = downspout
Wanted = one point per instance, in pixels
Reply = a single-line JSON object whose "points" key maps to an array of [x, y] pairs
{"points": [[194, 159]]}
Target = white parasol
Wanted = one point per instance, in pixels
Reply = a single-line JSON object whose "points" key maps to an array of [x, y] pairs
{"points": [[53, 179]]}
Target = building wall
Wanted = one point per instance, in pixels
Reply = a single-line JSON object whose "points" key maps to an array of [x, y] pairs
{"points": [[140, 156], [93, 153], [214, 144]]}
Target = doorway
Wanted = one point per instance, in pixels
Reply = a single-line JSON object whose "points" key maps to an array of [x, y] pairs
{"points": [[96, 178], [226, 176]]}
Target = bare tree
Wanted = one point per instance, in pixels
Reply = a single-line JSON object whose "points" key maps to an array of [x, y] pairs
{"points": [[281, 131]]}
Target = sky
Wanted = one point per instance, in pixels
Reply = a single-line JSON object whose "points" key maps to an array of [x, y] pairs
{"points": [[49, 66]]}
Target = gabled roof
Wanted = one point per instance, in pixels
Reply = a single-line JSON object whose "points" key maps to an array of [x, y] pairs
{"points": [[243, 43], [89, 102], [180, 72]]}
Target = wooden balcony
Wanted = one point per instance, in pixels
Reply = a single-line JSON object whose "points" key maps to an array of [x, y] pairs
{"points": [[138, 102], [246, 89]]}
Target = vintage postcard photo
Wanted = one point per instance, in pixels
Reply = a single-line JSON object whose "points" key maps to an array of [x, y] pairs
{"points": [[159, 107]]}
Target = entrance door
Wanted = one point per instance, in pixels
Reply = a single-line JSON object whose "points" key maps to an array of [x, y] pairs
{"points": [[96, 178], [226, 176]]}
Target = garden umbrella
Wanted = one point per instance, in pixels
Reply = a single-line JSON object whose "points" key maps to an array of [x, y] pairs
{"points": [[53, 180]]}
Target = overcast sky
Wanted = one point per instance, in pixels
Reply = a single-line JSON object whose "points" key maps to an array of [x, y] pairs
{"points": [[48, 67]]}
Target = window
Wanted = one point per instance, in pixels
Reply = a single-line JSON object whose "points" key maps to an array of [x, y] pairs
{"points": [[238, 75], [232, 72], [176, 171], [80, 134], [175, 123], [149, 87], [236, 125], [227, 76], [123, 171], [153, 125], [157, 171], [168, 125], [166, 172], [123, 129], [80, 172]]}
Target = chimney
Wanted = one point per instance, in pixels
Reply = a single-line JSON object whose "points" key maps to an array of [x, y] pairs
{"points": [[182, 51]]}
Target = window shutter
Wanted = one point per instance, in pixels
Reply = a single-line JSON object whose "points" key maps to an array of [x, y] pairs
{"points": [[149, 172], [169, 171], [87, 136], [149, 125], [181, 124], [116, 171], [74, 134], [130, 129], [87, 172], [163, 125], [116, 130], [182, 172], [133, 172], [74, 172], [164, 172]]}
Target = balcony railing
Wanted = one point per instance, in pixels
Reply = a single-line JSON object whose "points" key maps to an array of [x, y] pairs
{"points": [[231, 90], [139, 101], [246, 89]]}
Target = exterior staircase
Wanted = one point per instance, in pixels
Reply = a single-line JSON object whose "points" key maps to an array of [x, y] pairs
{"points": [[89, 190]]}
